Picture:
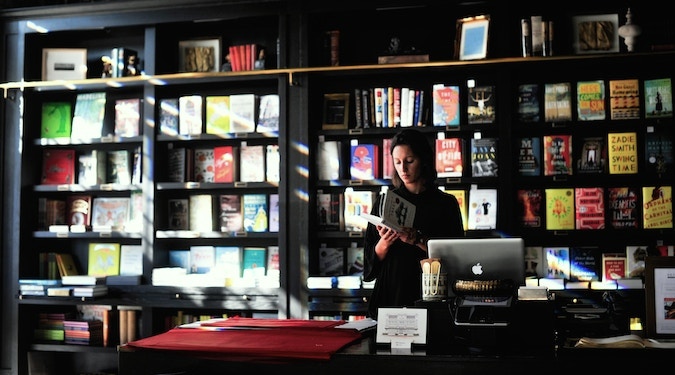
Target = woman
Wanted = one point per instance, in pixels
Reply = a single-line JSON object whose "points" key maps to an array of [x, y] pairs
{"points": [[393, 258]]}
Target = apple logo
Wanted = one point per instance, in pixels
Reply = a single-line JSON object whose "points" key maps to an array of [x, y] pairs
{"points": [[477, 269]]}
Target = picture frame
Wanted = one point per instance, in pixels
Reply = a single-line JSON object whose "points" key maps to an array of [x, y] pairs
{"points": [[199, 55], [64, 64], [589, 39], [335, 111], [472, 37], [660, 297]]}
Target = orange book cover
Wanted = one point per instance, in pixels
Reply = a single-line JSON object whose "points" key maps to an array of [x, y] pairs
{"points": [[449, 157]]}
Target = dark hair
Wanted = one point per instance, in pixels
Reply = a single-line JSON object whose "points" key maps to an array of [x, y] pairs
{"points": [[421, 147]]}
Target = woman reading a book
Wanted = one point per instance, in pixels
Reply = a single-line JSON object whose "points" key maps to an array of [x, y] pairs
{"points": [[392, 258]]}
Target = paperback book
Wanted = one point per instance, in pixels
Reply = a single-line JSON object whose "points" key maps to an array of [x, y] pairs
{"points": [[110, 213], [364, 163], [268, 114], [592, 156], [218, 114], [231, 214], [624, 99], [484, 157], [591, 100], [253, 262], [251, 163], [394, 212], [88, 115], [558, 262], [356, 202], [202, 258], [585, 263], [328, 161], [225, 164], [445, 105], [622, 153], [529, 104], [589, 205], [168, 116], [190, 114], [481, 105], [482, 209], [557, 154], [331, 261], [255, 212], [204, 165], [529, 156], [178, 214], [658, 98], [560, 208], [613, 266], [449, 161], [530, 207], [128, 117], [557, 102], [657, 207], [658, 153], [243, 113], [200, 209], [623, 207]]}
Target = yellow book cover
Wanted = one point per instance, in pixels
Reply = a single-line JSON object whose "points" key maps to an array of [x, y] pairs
{"points": [[560, 209], [217, 114], [657, 207], [622, 152], [104, 259], [460, 195]]}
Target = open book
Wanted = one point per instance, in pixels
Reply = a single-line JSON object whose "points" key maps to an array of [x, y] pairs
{"points": [[623, 341], [396, 212]]}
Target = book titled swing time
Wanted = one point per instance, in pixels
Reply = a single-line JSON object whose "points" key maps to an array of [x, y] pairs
{"points": [[396, 212]]}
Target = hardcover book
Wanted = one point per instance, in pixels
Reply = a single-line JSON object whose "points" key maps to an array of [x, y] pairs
{"points": [[92, 167], [274, 213], [56, 120], [557, 102], [328, 161], [200, 208], [658, 153], [364, 163], [529, 156], [613, 266], [118, 170], [657, 207], [256, 212], [251, 163], [445, 106], [243, 113], [482, 209], [535, 263], [204, 165], [658, 98], [228, 261], [253, 262], [190, 114], [110, 213], [128, 117], [592, 156], [589, 205], [531, 209], [635, 260], [79, 210], [58, 166], [225, 163], [131, 260], [484, 157], [557, 154], [104, 259], [559, 208], [448, 157], [268, 114], [558, 262], [88, 115], [218, 114], [591, 100], [481, 105], [585, 263], [622, 153], [331, 261], [176, 164], [623, 207], [329, 211], [272, 163], [461, 196], [356, 202], [178, 214], [168, 116], [624, 99], [529, 102], [202, 258], [231, 214], [394, 212], [67, 265], [355, 260], [180, 258]]}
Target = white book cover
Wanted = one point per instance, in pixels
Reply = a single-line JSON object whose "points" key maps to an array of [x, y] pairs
{"points": [[228, 261], [268, 115], [110, 213], [190, 114], [88, 116], [131, 260], [242, 113], [328, 160], [204, 165], [482, 209], [395, 211], [331, 261], [251, 163], [202, 258], [200, 207], [272, 163]]}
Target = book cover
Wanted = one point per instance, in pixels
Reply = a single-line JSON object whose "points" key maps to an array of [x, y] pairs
{"points": [[231, 214], [355, 260], [178, 214], [251, 163], [228, 261], [658, 153], [67, 264], [461, 196], [448, 157], [204, 165], [329, 211], [592, 156], [589, 205], [394, 212], [110, 213], [243, 113], [273, 262], [530, 207], [657, 207], [635, 260], [128, 117], [268, 114], [190, 114], [331, 261], [180, 258], [217, 114], [557, 102], [658, 95], [56, 120], [364, 162], [356, 202], [79, 210], [202, 258], [585, 263], [136, 165], [557, 154], [387, 161], [118, 169], [104, 259], [54, 211], [253, 262], [256, 212], [92, 167], [131, 260], [559, 208], [529, 102], [622, 153], [614, 266], [484, 157], [328, 160], [168, 116], [591, 100], [445, 105], [177, 164], [225, 164], [88, 115], [529, 156], [272, 163], [58, 166], [623, 207], [482, 209], [535, 263], [274, 213], [624, 99], [558, 262], [481, 105], [200, 208]]}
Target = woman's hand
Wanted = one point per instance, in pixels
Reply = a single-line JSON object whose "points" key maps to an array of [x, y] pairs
{"points": [[387, 238]]}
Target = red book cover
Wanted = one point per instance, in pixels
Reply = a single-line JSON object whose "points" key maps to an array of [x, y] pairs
{"points": [[589, 204], [530, 203], [387, 162], [557, 154], [449, 157], [364, 162], [234, 58], [224, 164], [58, 167]]}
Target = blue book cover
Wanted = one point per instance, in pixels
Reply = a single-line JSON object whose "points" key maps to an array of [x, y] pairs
{"points": [[256, 212], [529, 107], [180, 258], [253, 261]]}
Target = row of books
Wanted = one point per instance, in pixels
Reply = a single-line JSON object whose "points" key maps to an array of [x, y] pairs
{"points": [[225, 163], [219, 114], [84, 212], [386, 107], [65, 166], [228, 213], [104, 259], [244, 57], [340, 261]]}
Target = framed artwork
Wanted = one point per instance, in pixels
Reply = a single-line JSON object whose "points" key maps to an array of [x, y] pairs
{"points": [[596, 33], [335, 111], [473, 37], [64, 63], [199, 55], [660, 297]]}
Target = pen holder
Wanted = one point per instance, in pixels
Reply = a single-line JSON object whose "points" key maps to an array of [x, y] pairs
{"points": [[434, 286]]}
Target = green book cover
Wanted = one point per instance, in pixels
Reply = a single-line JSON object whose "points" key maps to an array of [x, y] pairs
{"points": [[658, 98], [56, 120]]}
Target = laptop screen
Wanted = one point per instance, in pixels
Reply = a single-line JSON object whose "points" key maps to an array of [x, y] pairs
{"points": [[480, 259]]}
